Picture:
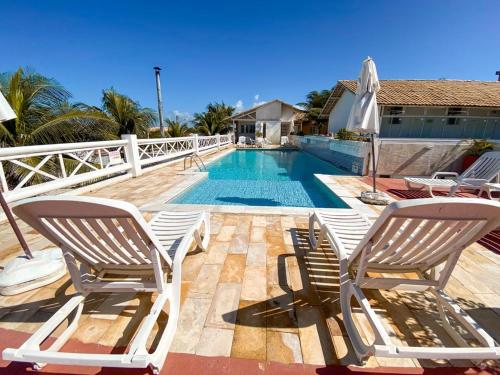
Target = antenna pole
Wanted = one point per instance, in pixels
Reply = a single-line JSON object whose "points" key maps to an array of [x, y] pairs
{"points": [[160, 101]]}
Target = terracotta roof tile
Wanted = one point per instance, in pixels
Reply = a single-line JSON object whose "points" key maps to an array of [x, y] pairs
{"points": [[426, 93]]}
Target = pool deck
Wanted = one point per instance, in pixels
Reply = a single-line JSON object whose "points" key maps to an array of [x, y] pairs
{"points": [[258, 301]]}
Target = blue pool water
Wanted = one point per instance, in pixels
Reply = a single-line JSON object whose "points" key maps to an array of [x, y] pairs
{"points": [[265, 178]]}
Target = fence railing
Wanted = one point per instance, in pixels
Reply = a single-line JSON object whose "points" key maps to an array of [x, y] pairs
{"points": [[161, 149], [33, 170]]}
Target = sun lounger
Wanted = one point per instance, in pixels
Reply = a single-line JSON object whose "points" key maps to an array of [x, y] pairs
{"points": [[242, 142], [109, 247], [484, 169], [423, 237], [488, 188]]}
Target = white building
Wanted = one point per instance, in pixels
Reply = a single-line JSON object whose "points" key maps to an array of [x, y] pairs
{"points": [[449, 109], [273, 119]]}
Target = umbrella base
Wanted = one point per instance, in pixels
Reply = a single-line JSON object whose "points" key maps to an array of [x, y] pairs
{"points": [[22, 274], [378, 197]]}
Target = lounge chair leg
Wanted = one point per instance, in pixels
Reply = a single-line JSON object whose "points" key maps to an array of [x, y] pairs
{"points": [[312, 237], [446, 304], [453, 191], [361, 350], [203, 243]]}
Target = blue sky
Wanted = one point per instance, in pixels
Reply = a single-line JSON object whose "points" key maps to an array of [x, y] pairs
{"points": [[244, 51]]}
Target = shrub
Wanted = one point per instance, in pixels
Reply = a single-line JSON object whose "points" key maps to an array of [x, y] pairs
{"points": [[479, 147], [345, 135]]}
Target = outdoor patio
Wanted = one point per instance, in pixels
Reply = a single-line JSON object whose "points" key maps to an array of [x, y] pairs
{"points": [[258, 300]]}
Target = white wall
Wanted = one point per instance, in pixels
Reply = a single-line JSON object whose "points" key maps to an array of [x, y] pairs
{"points": [[287, 114], [269, 112], [273, 132], [340, 112]]}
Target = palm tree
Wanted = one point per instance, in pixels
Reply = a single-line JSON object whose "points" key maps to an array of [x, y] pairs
{"points": [[44, 114], [215, 120], [127, 114], [177, 129], [315, 101]]}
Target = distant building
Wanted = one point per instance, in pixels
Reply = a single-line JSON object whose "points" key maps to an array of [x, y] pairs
{"points": [[450, 109], [274, 119]]}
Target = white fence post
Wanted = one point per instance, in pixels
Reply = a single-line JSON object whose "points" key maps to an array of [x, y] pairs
{"points": [[217, 136], [132, 154], [195, 143], [3, 180]]}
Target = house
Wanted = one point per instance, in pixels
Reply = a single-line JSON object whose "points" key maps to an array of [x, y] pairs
{"points": [[273, 119], [452, 109]]}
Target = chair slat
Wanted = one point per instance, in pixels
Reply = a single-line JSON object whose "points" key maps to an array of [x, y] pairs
{"points": [[95, 239], [416, 238], [136, 257], [394, 247], [69, 243], [383, 237], [104, 240], [448, 229], [429, 233], [131, 233]]}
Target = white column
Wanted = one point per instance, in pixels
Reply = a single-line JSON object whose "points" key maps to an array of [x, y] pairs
{"points": [[195, 144], [217, 136], [132, 154]]}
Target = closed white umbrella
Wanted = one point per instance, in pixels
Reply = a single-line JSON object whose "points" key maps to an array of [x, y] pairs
{"points": [[6, 112], [364, 117]]}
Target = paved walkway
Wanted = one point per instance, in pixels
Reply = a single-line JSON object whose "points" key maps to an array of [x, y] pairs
{"points": [[259, 300]]}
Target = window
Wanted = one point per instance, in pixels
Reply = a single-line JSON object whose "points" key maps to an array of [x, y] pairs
{"points": [[247, 129], [455, 111], [394, 112]]}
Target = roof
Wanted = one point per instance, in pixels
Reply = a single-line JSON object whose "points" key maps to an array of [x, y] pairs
{"points": [[441, 93], [253, 109]]}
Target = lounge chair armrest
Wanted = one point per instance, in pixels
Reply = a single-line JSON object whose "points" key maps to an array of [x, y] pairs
{"points": [[444, 174]]}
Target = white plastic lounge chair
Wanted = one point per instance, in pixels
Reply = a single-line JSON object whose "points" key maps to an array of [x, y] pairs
{"points": [[104, 237], [284, 141], [242, 142], [484, 169], [421, 236], [488, 188]]}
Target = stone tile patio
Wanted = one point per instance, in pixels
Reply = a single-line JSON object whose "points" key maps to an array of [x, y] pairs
{"points": [[259, 292]]}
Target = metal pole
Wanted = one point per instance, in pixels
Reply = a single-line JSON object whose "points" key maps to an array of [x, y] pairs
{"points": [[160, 102], [14, 226], [373, 163]]}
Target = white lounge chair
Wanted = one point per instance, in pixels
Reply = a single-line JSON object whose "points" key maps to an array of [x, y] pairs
{"points": [[102, 238], [242, 142], [484, 169], [284, 141], [420, 236], [488, 188]]}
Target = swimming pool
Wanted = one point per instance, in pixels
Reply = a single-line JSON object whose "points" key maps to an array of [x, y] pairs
{"points": [[265, 178]]}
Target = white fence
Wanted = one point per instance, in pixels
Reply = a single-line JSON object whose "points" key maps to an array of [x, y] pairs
{"points": [[33, 170]]}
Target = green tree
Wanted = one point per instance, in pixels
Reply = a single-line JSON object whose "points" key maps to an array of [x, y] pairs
{"points": [[214, 120], [177, 129], [44, 114], [315, 101], [128, 116]]}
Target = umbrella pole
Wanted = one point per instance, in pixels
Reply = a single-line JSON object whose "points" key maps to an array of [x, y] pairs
{"points": [[14, 226], [374, 182]]}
